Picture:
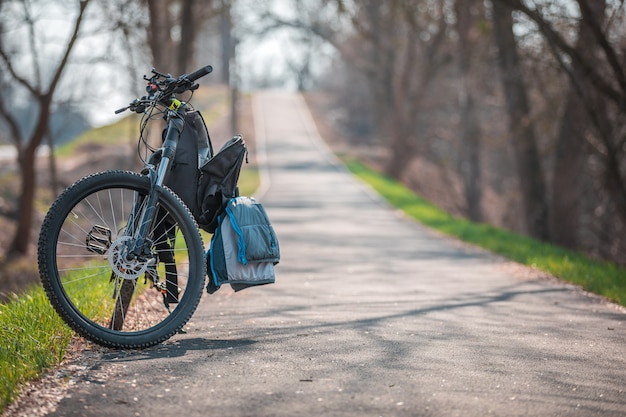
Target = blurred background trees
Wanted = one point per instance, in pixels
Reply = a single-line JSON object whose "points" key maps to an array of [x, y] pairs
{"points": [[39, 80], [511, 112], [504, 111]]}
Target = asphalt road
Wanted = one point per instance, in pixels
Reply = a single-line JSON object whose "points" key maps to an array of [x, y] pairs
{"points": [[371, 315]]}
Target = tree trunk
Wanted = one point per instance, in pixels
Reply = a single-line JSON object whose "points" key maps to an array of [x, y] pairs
{"points": [[21, 239], [26, 162], [571, 148], [568, 173], [529, 170], [402, 152], [159, 38], [410, 82], [470, 125], [227, 42], [54, 178], [27, 153], [401, 118], [187, 44], [470, 165]]}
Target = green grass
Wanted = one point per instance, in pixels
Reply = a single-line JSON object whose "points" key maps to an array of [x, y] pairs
{"points": [[32, 339], [248, 180], [121, 132], [598, 277]]}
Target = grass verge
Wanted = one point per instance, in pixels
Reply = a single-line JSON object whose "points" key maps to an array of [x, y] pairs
{"points": [[118, 133], [595, 276], [32, 339]]}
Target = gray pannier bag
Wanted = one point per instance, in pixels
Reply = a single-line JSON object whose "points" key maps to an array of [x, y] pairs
{"points": [[244, 247]]}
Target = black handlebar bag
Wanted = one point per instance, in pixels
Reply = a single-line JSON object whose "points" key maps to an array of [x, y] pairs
{"points": [[204, 181], [218, 182], [193, 150]]}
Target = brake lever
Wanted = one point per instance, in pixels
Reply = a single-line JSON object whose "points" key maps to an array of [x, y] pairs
{"points": [[137, 106], [183, 85]]}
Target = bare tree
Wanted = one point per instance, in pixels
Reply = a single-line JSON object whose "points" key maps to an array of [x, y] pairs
{"points": [[561, 104], [529, 168], [597, 74], [572, 148], [227, 40], [466, 17], [396, 45], [173, 30], [403, 52], [160, 34], [42, 92]]}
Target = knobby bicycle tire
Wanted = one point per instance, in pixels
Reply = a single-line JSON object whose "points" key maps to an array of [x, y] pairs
{"points": [[111, 299]]}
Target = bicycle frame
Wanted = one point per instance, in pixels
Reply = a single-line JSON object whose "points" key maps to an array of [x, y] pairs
{"points": [[175, 125]]}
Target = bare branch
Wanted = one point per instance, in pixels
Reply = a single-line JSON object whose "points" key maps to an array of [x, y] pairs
{"points": [[552, 36], [609, 52], [21, 80], [68, 49], [33, 45], [16, 133]]}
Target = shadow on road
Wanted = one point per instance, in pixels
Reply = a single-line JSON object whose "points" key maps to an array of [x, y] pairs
{"points": [[176, 349]]}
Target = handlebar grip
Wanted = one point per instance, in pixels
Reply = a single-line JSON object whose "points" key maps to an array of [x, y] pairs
{"points": [[200, 73]]}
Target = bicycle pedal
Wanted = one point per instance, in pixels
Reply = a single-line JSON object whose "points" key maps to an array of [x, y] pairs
{"points": [[98, 239]]}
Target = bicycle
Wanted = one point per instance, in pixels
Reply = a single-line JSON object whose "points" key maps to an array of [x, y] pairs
{"points": [[129, 236]]}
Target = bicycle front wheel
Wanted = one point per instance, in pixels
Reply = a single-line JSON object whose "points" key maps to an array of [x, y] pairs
{"points": [[98, 289]]}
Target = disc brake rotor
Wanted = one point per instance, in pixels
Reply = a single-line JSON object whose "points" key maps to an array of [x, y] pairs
{"points": [[122, 266]]}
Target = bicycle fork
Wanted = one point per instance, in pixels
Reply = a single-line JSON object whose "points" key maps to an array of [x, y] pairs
{"points": [[143, 222], [174, 129]]}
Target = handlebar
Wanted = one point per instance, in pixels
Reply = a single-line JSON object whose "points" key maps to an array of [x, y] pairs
{"points": [[200, 73], [162, 87]]}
